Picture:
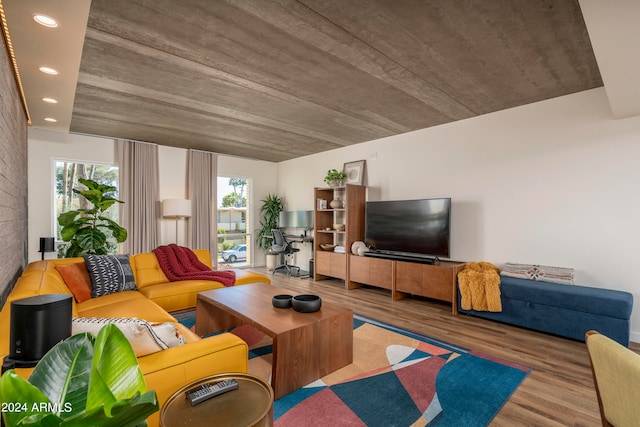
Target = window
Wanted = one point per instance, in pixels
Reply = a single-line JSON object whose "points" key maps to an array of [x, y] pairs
{"points": [[234, 238], [67, 175]]}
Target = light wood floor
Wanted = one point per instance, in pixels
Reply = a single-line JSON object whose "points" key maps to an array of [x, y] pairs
{"points": [[558, 392]]}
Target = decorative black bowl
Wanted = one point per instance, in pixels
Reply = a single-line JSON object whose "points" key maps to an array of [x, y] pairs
{"points": [[281, 301], [306, 303]]}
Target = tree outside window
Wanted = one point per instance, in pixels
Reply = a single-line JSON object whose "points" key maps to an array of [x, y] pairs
{"points": [[237, 198]]}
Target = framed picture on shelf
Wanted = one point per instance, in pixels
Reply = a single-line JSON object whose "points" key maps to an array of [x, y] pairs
{"points": [[355, 172]]}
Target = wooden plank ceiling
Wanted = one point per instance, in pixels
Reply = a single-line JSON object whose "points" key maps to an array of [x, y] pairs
{"points": [[280, 79]]}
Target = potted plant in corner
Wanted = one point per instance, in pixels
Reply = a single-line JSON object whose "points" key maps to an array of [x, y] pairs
{"points": [[81, 381], [270, 210], [335, 178], [89, 230]]}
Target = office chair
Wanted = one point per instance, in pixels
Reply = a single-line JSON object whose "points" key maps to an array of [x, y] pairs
{"points": [[282, 247], [616, 376]]}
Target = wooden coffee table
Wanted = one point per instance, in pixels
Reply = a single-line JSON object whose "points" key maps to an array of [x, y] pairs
{"points": [[306, 346]]}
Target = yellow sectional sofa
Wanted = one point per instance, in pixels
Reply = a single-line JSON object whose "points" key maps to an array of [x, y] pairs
{"points": [[167, 370]]}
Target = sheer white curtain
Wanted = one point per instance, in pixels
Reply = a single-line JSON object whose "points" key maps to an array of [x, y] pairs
{"points": [[140, 212], [203, 175]]}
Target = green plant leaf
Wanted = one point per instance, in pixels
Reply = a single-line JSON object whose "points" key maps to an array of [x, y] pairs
{"points": [[41, 419], [67, 218], [68, 231], [92, 195], [115, 371], [119, 233], [24, 398], [126, 412], [90, 238], [73, 250], [93, 185], [89, 183], [105, 204], [63, 374]]}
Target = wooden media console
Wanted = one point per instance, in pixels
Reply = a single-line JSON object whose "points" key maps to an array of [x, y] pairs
{"points": [[402, 278]]}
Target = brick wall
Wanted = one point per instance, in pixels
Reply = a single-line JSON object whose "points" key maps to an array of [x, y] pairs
{"points": [[13, 178]]}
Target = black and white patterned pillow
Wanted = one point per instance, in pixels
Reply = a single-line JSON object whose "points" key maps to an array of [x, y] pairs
{"points": [[109, 274]]}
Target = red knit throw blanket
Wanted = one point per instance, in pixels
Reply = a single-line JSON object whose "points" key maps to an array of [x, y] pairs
{"points": [[180, 263]]}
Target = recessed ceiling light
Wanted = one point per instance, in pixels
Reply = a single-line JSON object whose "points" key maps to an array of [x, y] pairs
{"points": [[45, 20], [50, 119], [49, 70], [50, 100]]}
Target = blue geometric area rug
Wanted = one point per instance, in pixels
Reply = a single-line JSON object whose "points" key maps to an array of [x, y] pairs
{"points": [[397, 378]]}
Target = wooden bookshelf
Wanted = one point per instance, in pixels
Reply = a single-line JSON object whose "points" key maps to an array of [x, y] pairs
{"points": [[329, 263]]}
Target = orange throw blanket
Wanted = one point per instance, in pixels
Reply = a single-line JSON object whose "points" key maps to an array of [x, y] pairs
{"points": [[479, 285], [180, 263]]}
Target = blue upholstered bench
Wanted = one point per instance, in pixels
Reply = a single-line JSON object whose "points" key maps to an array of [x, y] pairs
{"points": [[565, 310]]}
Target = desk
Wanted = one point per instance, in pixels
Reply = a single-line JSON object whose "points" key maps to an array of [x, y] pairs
{"points": [[295, 238], [298, 239]]}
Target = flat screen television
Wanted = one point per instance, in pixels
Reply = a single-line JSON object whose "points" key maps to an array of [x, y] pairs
{"points": [[413, 228]]}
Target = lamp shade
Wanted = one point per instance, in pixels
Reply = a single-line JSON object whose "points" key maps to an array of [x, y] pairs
{"points": [[176, 208]]}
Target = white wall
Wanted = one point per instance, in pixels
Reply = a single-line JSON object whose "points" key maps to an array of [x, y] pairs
{"points": [[552, 183], [45, 146]]}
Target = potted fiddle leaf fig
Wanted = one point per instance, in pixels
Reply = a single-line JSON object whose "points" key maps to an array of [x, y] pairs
{"points": [[81, 381], [89, 230]]}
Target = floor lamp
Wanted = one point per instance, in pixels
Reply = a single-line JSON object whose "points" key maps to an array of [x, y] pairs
{"points": [[176, 208]]}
